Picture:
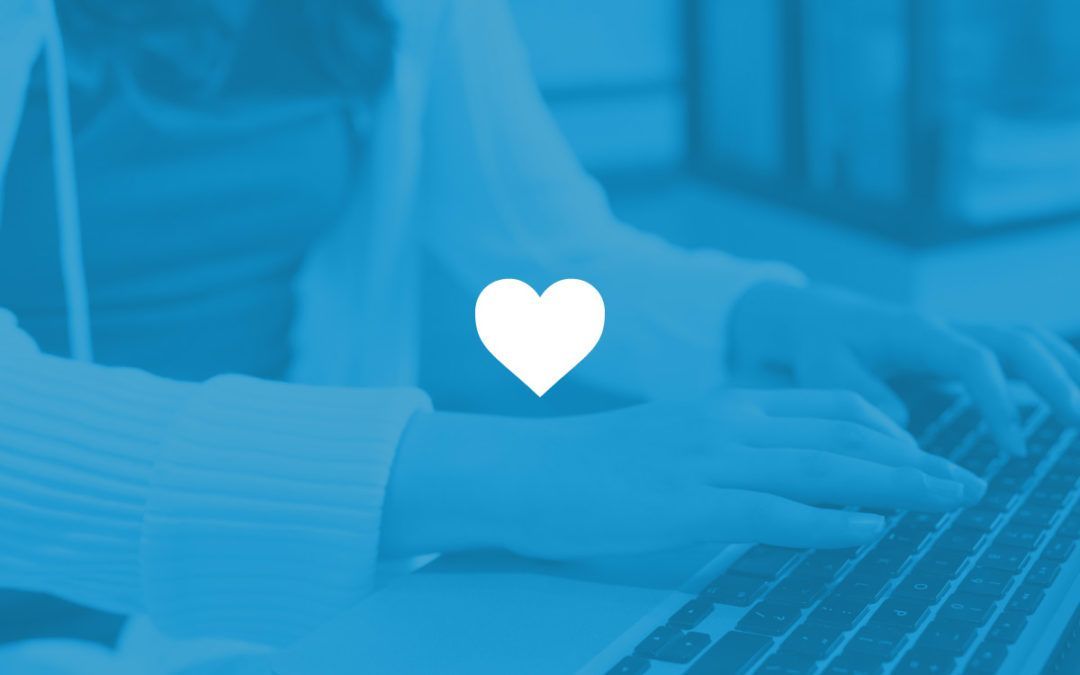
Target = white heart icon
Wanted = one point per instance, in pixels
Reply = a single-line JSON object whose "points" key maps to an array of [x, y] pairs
{"points": [[539, 338]]}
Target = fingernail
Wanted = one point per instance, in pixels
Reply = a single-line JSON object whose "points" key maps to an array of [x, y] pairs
{"points": [[866, 524], [974, 487], [944, 490]]}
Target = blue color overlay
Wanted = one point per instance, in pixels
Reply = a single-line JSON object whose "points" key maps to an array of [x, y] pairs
{"points": [[824, 419]]}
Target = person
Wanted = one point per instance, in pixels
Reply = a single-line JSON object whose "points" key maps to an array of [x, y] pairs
{"points": [[257, 182]]}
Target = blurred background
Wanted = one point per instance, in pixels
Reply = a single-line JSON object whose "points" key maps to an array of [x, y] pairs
{"points": [[922, 151]]}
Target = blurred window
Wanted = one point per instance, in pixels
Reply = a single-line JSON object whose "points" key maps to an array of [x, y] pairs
{"points": [[613, 73], [927, 119]]}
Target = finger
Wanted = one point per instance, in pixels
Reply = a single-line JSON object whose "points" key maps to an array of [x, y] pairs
{"points": [[1028, 358], [828, 404], [819, 477], [738, 516], [1064, 353], [842, 369], [845, 438], [931, 347]]}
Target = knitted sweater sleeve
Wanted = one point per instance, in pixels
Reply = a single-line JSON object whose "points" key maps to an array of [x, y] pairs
{"points": [[235, 508]]}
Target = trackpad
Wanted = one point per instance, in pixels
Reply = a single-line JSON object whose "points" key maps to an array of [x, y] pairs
{"points": [[487, 613]]}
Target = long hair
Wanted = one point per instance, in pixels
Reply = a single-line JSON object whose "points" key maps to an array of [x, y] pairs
{"points": [[198, 46]]}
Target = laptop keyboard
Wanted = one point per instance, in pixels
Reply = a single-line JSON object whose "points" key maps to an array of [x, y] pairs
{"points": [[935, 591]]}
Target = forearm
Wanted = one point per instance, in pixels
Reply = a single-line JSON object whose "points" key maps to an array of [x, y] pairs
{"points": [[431, 503], [236, 507], [78, 446]]}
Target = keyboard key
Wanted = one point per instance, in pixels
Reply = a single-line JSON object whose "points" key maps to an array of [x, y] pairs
{"points": [[1070, 527], [961, 539], [924, 519], [1026, 599], [884, 560], [825, 564], [1021, 535], [999, 499], [1010, 478], [858, 585], [840, 610], [976, 464], [1045, 436], [1043, 572], [691, 614], [988, 658], [631, 665], [1069, 463], [1064, 482], [924, 588], [1069, 478], [813, 639], [765, 562], [1033, 514], [657, 640], [942, 561], [734, 653], [948, 636], [769, 618], [733, 589], [1008, 626], [1050, 493], [1017, 471], [907, 537], [968, 607], [984, 447], [1008, 558], [903, 614], [1073, 449], [684, 649], [926, 662], [788, 663], [798, 591], [987, 581], [1059, 549], [855, 663], [881, 640], [983, 520]]}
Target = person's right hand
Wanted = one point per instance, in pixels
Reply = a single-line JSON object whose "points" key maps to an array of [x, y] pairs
{"points": [[749, 466]]}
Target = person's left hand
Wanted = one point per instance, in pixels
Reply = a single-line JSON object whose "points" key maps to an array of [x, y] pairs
{"points": [[830, 339]]}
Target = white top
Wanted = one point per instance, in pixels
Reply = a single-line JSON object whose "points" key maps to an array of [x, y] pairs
{"points": [[251, 509]]}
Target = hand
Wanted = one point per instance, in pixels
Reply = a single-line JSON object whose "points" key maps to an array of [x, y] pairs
{"points": [[742, 467], [835, 340]]}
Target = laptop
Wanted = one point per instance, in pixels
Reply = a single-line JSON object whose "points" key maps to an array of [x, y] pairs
{"points": [[994, 588]]}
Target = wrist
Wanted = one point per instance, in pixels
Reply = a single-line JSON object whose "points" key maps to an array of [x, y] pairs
{"points": [[760, 330], [448, 486]]}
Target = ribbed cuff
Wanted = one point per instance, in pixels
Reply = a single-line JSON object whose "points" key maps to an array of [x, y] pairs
{"points": [[266, 505], [77, 447]]}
